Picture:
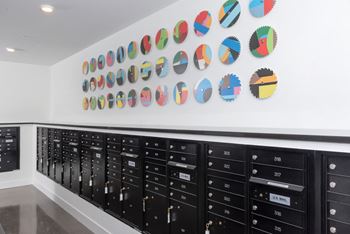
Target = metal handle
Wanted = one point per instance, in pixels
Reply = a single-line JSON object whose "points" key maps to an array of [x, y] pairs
{"points": [[129, 155], [96, 148], [73, 144]]}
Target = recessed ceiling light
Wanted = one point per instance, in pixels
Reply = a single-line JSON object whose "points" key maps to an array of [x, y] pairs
{"points": [[11, 50], [47, 8]]}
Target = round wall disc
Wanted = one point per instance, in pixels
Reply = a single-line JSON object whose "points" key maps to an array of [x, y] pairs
{"points": [[101, 103], [230, 87], [110, 79], [101, 82], [146, 45], [202, 23], [110, 100], [101, 62], [146, 96], [93, 103], [180, 93], [85, 103], [263, 83], [133, 74], [85, 85], [120, 99], [93, 65], [132, 50], [120, 56], [110, 58], [146, 70], [180, 62], [263, 41], [202, 57], [162, 38], [180, 31], [93, 84], [260, 8], [86, 67], [120, 78], [162, 67], [203, 91], [132, 98], [162, 95], [229, 13], [229, 50]]}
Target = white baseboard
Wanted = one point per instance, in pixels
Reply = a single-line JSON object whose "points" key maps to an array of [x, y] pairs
{"points": [[15, 183]]}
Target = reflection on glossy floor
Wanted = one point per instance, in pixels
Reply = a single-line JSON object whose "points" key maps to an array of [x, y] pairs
{"points": [[26, 210]]}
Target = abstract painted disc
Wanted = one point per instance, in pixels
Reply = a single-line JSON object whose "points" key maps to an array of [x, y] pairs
{"points": [[180, 31], [101, 103], [110, 100], [101, 82], [86, 67], [162, 67], [260, 8], [162, 95], [203, 91], [85, 86], [180, 62], [120, 56], [132, 98], [146, 96], [110, 58], [263, 83], [110, 79], [229, 50], [180, 93], [120, 99], [162, 38], [263, 41], [132, 50], [146, 70], [93, 65], [93, 103], [120, 78], [93, 84], [202, 57], [133, 74], [230, 87], [101, 62], [229, 13], [146, 45], [202, 23], [85, 103]]}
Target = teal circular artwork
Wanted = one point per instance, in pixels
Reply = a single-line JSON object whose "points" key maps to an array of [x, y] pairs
{"points": [[203, 91]]}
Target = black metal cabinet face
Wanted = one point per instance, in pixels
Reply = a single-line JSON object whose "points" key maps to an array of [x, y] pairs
{"points": [[335, 227], [272, 226], [99, 186], [86, 183], [156, 208], [66, 171], [220, 225], [59, 171], [183, 218], [133, 204], [114, 204]]}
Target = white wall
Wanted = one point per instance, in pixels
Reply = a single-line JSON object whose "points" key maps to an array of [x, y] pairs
{"points": [[310, 61], [25, 92]]}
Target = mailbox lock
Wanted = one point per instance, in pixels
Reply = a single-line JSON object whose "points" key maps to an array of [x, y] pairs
{"points": [[333, 211], [333, 230], [210, 182], [255, 222], [210, 152], [255, 207], [210, 194], [332, 184], [210, 164], [255, 171], [332, 166], [255, 157]]}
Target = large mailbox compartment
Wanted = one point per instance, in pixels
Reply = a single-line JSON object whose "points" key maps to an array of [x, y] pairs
{"points": [[336, 187], [9, 149], [156, 202], [113, 171], [227, 192], [57, 155], [278, 191], [131, 193], [43, 163]]}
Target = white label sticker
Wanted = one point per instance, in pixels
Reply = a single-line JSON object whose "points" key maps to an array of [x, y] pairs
{"points": [[9, 141], [98, 155], [185, 176], [280, 199], [131, 163]]}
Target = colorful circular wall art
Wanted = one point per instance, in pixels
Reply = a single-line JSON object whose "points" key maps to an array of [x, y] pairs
{"points": [[162, 67], [132, 50], [203, 91], [180, 93], [146, 45], [101, 62], [120, 56], [229, 13], [93, 65], [260, 8], [93, 103], [85, 103], [110, 100], [132, 98], [202, 23], [263, 83], [180, 31], [162, 38], [229, 50], [146, 97], [133, 74], [146, 70], [110, 58], [202, 57], [86, 67], [263, 41], [162, 95], [180, 62], [120, 99], [85, 86], [120, 78], [110, 79], [101, 103], [93, 84], [101, 82], [230, 87]]}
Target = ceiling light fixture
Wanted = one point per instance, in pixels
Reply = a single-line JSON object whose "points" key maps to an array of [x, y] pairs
{"points": [[47, 8], [11, 50]]}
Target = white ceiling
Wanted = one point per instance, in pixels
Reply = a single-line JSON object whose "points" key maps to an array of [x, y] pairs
{"points": [[75, 25]]}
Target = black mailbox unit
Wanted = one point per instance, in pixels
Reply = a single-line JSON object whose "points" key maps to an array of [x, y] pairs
{"points": [[9, 149]]}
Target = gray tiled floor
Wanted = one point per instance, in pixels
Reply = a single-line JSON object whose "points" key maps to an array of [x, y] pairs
{"points": [[26, 210]]}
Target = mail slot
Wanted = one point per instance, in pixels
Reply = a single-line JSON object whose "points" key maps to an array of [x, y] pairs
{"points": [[273, 226], [226, 211], [226, 198], [229, 152], [234, 167], [177, 146], [155, 178], [183, 158]]}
